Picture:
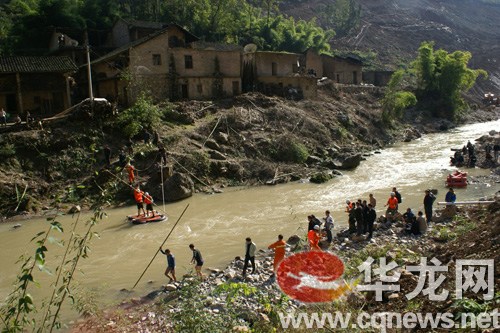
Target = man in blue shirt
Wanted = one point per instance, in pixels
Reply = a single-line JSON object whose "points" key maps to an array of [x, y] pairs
{"points": [[450, 196], [170, 265]]}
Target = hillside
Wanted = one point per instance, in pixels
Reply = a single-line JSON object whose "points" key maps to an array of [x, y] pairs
{"points": [[252, 139], [394, 30]]}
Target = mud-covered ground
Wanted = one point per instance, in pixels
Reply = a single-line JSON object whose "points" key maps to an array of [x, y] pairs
{"points": [[249, 140]]}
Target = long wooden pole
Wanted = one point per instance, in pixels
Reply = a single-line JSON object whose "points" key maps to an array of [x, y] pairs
{"points": [[162, 185], [158, 250], [465, 203]]}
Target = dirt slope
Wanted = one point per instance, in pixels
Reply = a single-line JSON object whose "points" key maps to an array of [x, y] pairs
{"points": [[394, 29]]}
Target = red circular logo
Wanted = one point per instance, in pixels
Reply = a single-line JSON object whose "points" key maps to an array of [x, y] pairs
{"points": [[311, 277]]}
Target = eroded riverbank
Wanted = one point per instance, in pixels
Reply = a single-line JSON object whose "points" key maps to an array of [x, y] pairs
{"points": [[218, 224]]}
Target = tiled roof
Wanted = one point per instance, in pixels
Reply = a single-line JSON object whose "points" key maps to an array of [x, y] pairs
{"points": [[189, 38], [201, 45], [27, 64], [145, 24]]}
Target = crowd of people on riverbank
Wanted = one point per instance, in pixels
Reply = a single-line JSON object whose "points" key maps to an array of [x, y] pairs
{"points": [[361, 216], [491, 154]]}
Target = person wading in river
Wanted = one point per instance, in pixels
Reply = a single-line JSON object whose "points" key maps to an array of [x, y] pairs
{"points": [[197, 260], [279, 251], [250, 248], [373, 201], [170, 265], [398, 195]]}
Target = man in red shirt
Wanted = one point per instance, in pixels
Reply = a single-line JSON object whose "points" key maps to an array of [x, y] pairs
{"points": [[393, 205], [148, 200], [138, 196]]}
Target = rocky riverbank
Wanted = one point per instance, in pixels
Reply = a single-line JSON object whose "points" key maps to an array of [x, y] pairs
{"points": [[249, 140], [227, 302]]}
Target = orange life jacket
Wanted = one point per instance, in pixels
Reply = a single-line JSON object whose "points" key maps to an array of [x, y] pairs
{"points": [[138, 196], [148, 199], [393, 202]]}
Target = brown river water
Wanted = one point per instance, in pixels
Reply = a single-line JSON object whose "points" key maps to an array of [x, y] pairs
{"points": [[218, 224]]}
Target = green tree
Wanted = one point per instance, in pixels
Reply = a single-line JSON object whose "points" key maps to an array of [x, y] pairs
{"points": [[396, 100], [99, 14], [286, 34], [442, 78], [342, 16], [143, 114], [34, 25]]}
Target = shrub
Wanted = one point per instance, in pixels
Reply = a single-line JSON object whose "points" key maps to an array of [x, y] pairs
{"points": [[143, 114], [7, 150], [288, 150]]}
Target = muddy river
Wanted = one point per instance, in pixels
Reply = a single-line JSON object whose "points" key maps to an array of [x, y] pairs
{"points": [[218, 224]]}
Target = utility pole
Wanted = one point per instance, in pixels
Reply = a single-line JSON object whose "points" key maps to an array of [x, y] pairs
{"points": [[89, 73]]}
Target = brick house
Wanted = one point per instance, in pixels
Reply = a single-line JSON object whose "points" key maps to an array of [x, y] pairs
{"points": [[277, 73], [170, 64], [207, 70], [40, 85], [344, 70]]}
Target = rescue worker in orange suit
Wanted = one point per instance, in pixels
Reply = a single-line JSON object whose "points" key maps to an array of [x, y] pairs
{"points": [[139, 199], [131, 173], [314, 238], [393, 204], [279, 251], [349, 206], [148, 200]]}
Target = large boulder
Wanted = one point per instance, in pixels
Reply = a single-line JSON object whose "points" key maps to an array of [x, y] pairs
{"points": [[178, 187], [212, 145], [350, 162]]}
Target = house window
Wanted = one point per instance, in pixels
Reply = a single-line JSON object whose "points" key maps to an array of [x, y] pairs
{"points": [[295, 68], [355, 77], [157, 59], [200, 89], [274, 70], [188, 61], [236, 88], [338, 78]]}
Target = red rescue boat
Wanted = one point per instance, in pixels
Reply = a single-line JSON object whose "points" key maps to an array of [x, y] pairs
{"points": [[141, 219], [457, 179]]}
